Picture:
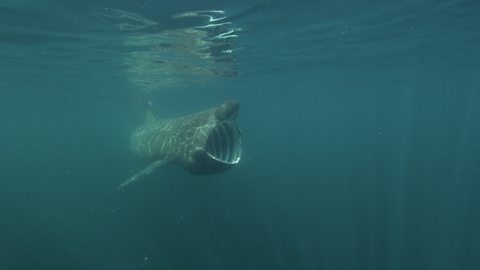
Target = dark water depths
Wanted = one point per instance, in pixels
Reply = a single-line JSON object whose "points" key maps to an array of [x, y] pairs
{"points": [[361, 123]]}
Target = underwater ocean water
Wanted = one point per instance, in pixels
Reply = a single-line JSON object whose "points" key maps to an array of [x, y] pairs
{"points": [[360, 124]]}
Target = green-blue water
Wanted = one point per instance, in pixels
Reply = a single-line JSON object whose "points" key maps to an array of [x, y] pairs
{"points": [[360, 121]]}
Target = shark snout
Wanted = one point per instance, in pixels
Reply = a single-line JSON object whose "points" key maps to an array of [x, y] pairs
{"points": [[228, 110]]}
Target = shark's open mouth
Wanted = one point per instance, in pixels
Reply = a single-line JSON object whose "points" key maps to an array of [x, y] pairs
{"points": [[224, 143]]}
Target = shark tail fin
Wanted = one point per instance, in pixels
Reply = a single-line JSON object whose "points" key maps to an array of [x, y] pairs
{"points": [[141, 174]]}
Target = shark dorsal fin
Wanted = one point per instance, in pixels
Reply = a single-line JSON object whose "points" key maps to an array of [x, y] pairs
{"points": [[149, 117]]}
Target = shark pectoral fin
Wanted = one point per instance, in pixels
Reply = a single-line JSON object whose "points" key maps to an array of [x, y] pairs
{"points": [[148, 170]]}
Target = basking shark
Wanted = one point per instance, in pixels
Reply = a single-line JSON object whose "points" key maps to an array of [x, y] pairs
{"points": [[206, 142]]}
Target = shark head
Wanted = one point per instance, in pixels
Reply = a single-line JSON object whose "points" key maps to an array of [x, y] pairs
{"points": [[222, 148]]}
